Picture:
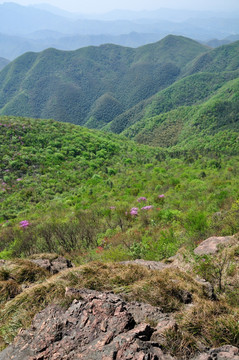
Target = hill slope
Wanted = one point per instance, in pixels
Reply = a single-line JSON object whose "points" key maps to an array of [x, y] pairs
{"points": [[194, 89], [53, 174], [212, 125], [68, 86], [3, 62], [210, 95]]}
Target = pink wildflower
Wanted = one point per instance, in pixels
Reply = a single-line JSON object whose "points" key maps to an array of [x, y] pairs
{"points": [[148, 207], [24, 223], [142, 198], [134, 211]]}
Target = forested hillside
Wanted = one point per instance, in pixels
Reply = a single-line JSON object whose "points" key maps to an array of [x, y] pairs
{"points": [[73, 86], [125, 90], [194, 108]]}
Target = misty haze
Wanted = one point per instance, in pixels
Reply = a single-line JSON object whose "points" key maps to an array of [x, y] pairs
{"points": [[40, 26]]}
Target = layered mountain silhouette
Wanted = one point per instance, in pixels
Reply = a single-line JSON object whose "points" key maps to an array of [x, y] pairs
{"points": [[36, 28]]}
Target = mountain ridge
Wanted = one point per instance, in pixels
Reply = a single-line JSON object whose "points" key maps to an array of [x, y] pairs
{"points": [[65, 85]]}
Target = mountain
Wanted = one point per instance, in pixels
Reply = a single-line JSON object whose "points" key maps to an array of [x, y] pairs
{"points": [[157, 94], [13, 46], [224, 58], [222, 26], [69, 86], [190, 90], [57, 11], [204, 88], [212, 125], [3, 62], [175, 15]]}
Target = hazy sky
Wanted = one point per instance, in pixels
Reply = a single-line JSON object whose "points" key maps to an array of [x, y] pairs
{"points": [[93, 6]]}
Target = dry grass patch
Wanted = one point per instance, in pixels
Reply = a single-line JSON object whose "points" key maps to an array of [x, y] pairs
{"points": [[165, 289], [198, 323], [205, 324], [23, 271], [49, 256], [8, 290], [19, 312]]}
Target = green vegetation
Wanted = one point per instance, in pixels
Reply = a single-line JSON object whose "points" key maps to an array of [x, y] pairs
{"points": [[66, 189], [191, 90], [75, 86], [173, 92], [96, 196], [213, 125]]}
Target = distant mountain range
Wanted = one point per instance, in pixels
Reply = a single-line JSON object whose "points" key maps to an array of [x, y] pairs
{"points": [[35, 28], [159, 94]]}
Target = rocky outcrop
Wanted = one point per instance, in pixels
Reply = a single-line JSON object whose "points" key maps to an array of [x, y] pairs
{"points": [[98, 326], [226, 352], [53, 266], [152, 265], [213, 244], [208, 289]]}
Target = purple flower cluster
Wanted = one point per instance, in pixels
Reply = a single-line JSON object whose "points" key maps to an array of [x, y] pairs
{"points": [[112, 208], [142, 198], [148, 207], [134, 211], [2, 186], [24, 223], [161, 196]]}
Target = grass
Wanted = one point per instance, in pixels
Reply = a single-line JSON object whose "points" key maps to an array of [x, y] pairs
{"points": [[202, 323]]}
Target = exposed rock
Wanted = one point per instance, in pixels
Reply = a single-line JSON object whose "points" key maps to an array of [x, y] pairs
{"points": [[54, 266], [226, 352], [99, 326], [208, 289], [162, 326], [212, 245], [2, 263], [152, 265]]}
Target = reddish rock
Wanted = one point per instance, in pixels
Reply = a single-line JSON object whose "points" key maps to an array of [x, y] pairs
{"points": [[212, 245], [100, 326], [97, 327], [226, 352]]}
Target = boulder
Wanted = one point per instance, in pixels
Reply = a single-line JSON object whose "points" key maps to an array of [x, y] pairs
{"points": [[53, 266], [213, 244]]}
